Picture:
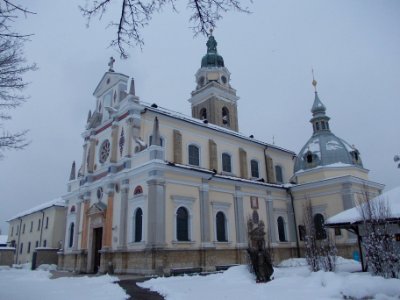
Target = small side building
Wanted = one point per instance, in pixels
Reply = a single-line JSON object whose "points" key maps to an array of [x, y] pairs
{"points": [[41, 227]]}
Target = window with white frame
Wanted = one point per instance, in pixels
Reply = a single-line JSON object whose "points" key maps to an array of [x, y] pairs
{"points": [[194, 155], [183, 217], [226, 162], [254, 168]]}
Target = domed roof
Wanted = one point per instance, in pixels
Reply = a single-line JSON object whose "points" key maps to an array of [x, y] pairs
{"points": [[212, 58], [324, 148]]}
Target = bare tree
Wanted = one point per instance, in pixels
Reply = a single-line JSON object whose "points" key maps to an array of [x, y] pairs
{"points": [[378, 238], [12, 68], [320, 249], [136, 14]]}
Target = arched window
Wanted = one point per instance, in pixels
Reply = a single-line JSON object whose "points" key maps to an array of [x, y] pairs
{"points": [[254, 168], [203, 114], [281, 229], [221, 227], [320, 232], [226, 162], [138, 190], [194, 155], [138, 225], [44, 243], [182, 224], [72, 210], [225, 116], [29, 247], [71, 235], [278, 174]]}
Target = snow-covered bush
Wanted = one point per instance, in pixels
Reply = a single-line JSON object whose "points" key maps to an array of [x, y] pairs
{"points": [[378, 241], [320, 249]]}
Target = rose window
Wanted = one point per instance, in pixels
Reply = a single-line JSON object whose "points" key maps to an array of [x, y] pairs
{"points": [[104, 151]]}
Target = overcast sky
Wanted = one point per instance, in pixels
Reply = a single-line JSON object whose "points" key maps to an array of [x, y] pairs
{"points": [[353, 46]]}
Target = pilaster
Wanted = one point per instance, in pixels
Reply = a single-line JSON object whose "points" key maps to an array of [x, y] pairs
{"points": [[123, 214], [114, 142], [156, 212], [205, 214], [108, 223], [239, 216], [86, 204]]}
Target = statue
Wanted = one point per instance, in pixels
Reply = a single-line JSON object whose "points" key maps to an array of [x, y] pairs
{"points": [[259, 256]]}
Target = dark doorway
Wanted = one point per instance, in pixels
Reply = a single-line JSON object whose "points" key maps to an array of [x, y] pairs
{"points": [[97, 241]]}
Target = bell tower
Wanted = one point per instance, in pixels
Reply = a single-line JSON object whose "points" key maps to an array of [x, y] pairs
{"points": [[214, 100]]}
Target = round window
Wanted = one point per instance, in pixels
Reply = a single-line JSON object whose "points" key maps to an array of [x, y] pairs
{"points": [[104, 151], [224, 80], [99, 193]]}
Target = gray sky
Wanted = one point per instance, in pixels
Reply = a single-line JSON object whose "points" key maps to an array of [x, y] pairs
{"points": [[353, 46]]}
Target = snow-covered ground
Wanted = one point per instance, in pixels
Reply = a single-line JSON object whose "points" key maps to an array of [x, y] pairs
{"points": [[292, 280], [24, 284]]}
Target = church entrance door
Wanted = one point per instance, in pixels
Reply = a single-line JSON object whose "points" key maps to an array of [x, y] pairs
{"points": [[97, 242]]}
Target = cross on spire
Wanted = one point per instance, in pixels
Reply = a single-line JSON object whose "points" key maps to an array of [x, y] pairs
{"points": [[111, 64]]}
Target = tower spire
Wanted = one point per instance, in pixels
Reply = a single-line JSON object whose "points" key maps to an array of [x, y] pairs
{"points": [[320, 120]]}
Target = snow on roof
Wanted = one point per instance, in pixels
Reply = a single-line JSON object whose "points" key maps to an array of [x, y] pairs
{"points": [[353, 215], [3, 239], [56, 202], [198, 122]]}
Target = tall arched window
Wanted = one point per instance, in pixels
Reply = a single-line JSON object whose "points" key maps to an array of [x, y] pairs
{"points": [[138, 224], [203, 114], [194, 155], [320, 232], [71, 235], [225, 116], [281, 229], [221, 227], [226, 162], [278, 174], [182, 224], [254, 169]]}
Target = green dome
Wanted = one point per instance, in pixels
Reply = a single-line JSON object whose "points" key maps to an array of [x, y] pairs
{"points": [[212, 58]]}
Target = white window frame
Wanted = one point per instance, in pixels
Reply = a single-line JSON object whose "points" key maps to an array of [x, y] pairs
{"points": [[188, 154]]}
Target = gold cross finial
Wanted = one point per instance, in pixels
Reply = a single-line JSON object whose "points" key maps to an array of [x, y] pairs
{"points": [[314, 82]]}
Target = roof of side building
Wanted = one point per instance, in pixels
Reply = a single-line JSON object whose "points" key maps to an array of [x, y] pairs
{"points": [[56, 202]]}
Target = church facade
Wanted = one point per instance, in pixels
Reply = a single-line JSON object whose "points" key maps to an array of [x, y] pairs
{"points": [[158, 191]]}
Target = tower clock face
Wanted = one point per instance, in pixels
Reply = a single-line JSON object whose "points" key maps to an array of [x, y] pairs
{"points": [[104, 151]]}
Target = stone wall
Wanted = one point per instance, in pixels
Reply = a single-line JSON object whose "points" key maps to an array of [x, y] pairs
{"points": [[45, 256], [7, 256]]}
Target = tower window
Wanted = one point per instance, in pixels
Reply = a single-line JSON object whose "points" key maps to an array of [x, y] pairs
{"points": [[323, 125], [226, 162], [203, 114], [278, 174], [254, 168], [225, 116], [309, 157], [194, 155], [317, 125]]}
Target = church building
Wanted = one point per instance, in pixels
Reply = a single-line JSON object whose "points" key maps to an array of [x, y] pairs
{"points": [[158, 191]]}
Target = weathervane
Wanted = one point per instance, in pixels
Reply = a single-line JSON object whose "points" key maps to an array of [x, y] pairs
{"points": [[111, 64]]}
